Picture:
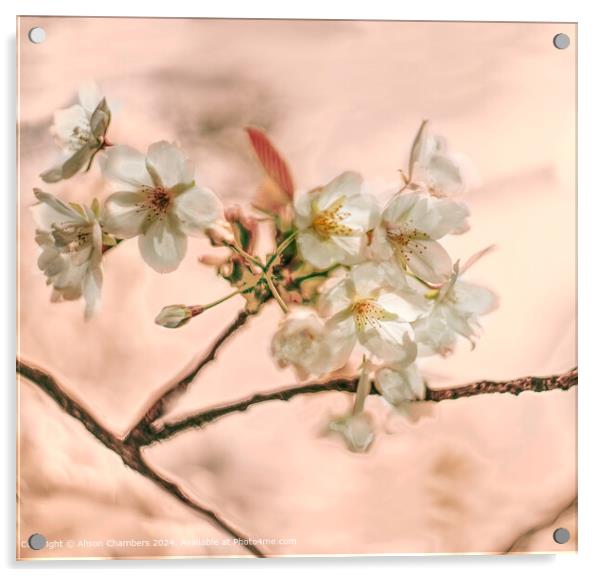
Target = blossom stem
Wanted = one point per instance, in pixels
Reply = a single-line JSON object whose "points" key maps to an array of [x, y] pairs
{"points": [[226, 297], [245, 255], [316, 274], [267, 270], [274, 291], [280, 249], [363, 388]]}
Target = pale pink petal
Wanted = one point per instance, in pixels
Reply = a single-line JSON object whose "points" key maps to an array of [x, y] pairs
{"points": [[126, 166], [163, 246], [170, 163], [124, 214], [428, 260], [197, 209]]}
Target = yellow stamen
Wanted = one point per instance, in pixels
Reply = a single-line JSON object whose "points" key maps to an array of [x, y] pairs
{"points": [[367, 312], [329, 222]]}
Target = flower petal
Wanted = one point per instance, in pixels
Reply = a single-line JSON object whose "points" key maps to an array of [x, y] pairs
{"points": [[367, 278], [347, 184], [390, 340], [428, 260], [400, 207], [362, 212], [124, 214], [452, 217], [52, 210], [170, 163], [337, 299], [353, 246], [433, 335], [357, 431], [66, 120], [475, 299], [70, 165], [300, 342], [92, 286], [445, 173], [399, 385], [404, 309], [303, 214], [320, 253], [162, 245], [380, 248], [341, 335], [197, 209], [126, 166], [89, 96]]}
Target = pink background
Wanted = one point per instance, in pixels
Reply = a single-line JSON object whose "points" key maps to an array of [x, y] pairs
{"points": [[474, 475]]}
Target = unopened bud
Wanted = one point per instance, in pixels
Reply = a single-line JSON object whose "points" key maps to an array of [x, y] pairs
{"points": [[220, 233], [175, 316]]}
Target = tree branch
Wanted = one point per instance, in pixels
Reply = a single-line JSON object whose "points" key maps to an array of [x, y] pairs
{"points": [[514, 387], [173, 390], [128, 451], [129, 448]]}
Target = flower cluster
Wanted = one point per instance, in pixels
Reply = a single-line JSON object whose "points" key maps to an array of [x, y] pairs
{"points": [[354, 279], [396, 295], [157, 200]]}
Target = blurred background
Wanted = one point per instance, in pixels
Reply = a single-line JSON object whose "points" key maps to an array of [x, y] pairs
{"points": [[485, 474]]}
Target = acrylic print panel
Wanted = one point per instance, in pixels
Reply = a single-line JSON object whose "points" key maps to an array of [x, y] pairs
{"points": [[282, 282]]}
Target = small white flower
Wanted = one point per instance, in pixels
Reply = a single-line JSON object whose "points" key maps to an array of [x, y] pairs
{"points": [[433, 168], [456, 310], [71, 240], [400, 383], [364, 309], [158, 200], [80, 132], [333, 221], [300, 342], [408, 232], [357, 431]]}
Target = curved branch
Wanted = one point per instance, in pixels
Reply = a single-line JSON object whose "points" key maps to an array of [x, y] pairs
{"points": [[563, 381], [173, 390], [514, 387], [129, 452]]}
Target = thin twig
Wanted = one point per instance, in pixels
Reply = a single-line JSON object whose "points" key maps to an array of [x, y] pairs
{"points": [[514, 387], [173, 390], [129, 452]]}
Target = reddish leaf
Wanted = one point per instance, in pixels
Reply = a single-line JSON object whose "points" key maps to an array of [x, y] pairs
{"points": [[273, 164]]}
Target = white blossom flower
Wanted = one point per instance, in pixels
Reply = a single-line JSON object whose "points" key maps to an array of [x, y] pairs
{"points": [[158, 200], [357, 430], [457, 306], [365, 309], [333, 221], [408, 232], [300, 342], [433, 168], [399, 383], [80, 132], [71, 240]]}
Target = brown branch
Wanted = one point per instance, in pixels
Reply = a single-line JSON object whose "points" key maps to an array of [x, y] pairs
{"points": [[514, 387], [128, 451], [129, 448], [158, 407]]}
